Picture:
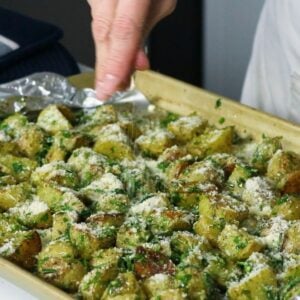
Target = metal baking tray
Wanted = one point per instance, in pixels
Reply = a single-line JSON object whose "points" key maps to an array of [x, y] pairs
{"points": [[181, 98]]}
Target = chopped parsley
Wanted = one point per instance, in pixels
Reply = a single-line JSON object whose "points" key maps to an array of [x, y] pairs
{"points": [[49, 271], [218, 103], [246, 266], [282, 200], [17, 167], [184, 279], [66, 134], [222, 120], [163, 165], [171, 117], [240, 243]]}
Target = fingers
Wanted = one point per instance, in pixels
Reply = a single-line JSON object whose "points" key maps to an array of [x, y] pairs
{"points": [[125, 38], [103, 13], [141, 61], [119, 29]]}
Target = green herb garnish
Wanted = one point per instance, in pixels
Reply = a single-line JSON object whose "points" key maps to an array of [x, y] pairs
{"points": [[17, 167], [222, 120], [218, 103], [171, 117], [240, 243]]}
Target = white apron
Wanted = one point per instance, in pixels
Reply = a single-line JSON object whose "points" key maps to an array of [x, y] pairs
{"points": [[272, 81]]}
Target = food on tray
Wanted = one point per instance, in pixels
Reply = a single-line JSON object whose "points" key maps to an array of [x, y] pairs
{"points": [[108, 205]]}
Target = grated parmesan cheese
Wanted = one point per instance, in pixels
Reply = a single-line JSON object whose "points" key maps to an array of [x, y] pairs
{"points": [[147, 206], [7, 249], [276, 232], [35, 207], [258, 195]]}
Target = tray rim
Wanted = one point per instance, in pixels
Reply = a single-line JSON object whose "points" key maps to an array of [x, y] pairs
{"points": [[177, 96]]}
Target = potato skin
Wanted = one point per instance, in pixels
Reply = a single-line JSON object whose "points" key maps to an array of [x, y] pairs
{"points": [[264, 152], [288, 207], [155, 143], [113, 143], [14, 123], [63, 273], [150, 262], [132, 233], [284, 169], [94, 283], [18, 167], [55, 118], [87, 239], [237, 244], [64, 142], [11, 195], [211, 141], [256, 286], [185, 128], [124, 286], [26, 246], [57, 172], [58, 264], [32, 141], [292, 240]]}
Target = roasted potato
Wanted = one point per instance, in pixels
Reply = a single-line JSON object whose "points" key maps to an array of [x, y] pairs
{"points": [[155, 143], [185, 128], [58, 264], [211, 141], [13, 124], [108, 183], [237, 244], [33, 214], [88, 164], [132, 233], [94, 283], [64, 142], [32, 141], [288, 207], [264, 152], [261, 283], [112, 142], [55, 118], [124, 286], [56, 172], [158, 283], [88, 238], [18, 167], [11, 195], [284, 169], [292, 239], [22, 248]]}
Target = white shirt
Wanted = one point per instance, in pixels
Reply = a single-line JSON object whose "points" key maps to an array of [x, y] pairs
{"points": [[272, 81]]}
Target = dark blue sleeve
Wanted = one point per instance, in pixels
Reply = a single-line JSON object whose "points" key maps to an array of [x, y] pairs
{"points": [[28, 45]]}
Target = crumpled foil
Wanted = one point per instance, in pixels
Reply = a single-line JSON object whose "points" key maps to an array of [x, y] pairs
{"points": [[35, 92]]}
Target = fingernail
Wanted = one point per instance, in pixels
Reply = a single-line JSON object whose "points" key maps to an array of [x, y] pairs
{"points": [[107, 86]]}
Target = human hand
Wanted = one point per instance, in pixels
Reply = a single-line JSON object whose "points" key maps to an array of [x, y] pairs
{"points": [[120, 28]]}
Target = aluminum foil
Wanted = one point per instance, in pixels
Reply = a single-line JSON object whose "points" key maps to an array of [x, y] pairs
{"points": [[35, 92]]}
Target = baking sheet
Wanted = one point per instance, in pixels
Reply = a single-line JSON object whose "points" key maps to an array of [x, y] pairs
{"points": [[183, 99]]}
